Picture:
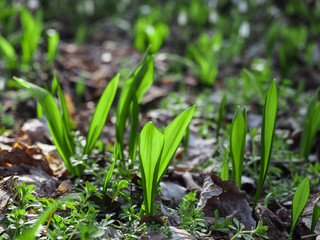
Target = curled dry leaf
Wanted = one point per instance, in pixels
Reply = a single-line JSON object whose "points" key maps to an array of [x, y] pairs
{"points": [[209, 190]]}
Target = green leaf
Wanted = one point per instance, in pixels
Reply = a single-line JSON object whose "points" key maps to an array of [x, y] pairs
{"points": [[55, 123], [7, 49], [173, 135], [53, 41], [299, 201], [238, 143], [311, 125], [150, 149], [136, 85], [315, 215], [267, 133], [32, 28], [100, 114], [133, 136], [63, 104], [224, 175], [116, 150]]}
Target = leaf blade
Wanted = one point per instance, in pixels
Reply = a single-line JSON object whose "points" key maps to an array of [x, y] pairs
{"points": [[100, 114], [150, 149], [173, 135]]}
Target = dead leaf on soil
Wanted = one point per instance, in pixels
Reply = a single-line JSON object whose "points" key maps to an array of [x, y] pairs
{"points": [[7, 194], [177, 234], [21, 155], [209, 190], [231, 203], [277, 228]]}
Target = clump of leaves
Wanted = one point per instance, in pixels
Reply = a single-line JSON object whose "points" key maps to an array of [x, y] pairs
{"points": [[16, 220], [156, 150], [192, 219], [204, 53], [260, 232], [150, 31], [60, 127]]}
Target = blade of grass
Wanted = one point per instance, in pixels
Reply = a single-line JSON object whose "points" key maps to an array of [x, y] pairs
{"points": [[267, 133], [100, 114], [150, 149]]}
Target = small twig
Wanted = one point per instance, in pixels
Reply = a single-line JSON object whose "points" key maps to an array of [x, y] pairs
{"points": [[310, 235]]}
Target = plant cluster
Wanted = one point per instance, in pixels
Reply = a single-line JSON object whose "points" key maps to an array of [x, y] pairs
{"points": [[207, 37]]}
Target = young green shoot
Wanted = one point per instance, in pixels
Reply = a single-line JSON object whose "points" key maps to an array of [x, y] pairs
{"points": [[53, 41], [131, 95], [238, 143], [116, 152], [9, 53], [31, 33], [299, 201], [206, 67], [60, 126], [156, 150], [315, 215], [267, 133], [224, 174], [150, 149], [311, 125]]}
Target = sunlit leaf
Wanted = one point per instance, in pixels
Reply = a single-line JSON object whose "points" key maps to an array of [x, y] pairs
{"points": [[150, 148], [315, 215], [100, 114], [136, 85], [311, 125], [299, 201], [238, 143], [224, 174], [267, 133], [173, 135], [55, 122]]}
